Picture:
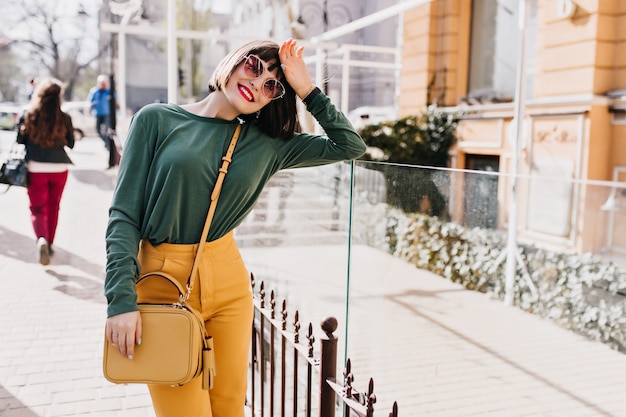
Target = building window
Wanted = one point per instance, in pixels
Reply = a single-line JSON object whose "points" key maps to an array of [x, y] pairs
{"points": [[494, 49]]}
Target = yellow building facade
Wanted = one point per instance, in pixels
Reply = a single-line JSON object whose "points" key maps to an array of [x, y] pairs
{"points": [[464, 55]]}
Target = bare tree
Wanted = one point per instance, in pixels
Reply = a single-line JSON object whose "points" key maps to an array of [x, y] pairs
{"points": [[11, 76], [197, 16], [55, 41]]}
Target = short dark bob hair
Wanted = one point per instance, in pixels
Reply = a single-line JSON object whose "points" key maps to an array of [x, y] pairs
{"points": [[279, 117]]}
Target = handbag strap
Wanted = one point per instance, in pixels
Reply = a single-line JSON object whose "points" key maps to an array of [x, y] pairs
{"points": [[226, 160]]}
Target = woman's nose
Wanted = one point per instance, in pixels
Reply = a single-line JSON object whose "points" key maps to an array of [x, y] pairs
{"points": [[254, 83]]}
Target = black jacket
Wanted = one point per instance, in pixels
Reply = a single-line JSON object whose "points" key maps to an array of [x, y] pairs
{"points": [[57, 154]]}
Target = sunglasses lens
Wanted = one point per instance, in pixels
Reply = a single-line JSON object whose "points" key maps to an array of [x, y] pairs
{"points": [[253, 66], [273, 89]]}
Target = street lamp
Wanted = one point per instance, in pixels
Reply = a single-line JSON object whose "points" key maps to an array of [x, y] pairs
{"points": [[611, 203]]}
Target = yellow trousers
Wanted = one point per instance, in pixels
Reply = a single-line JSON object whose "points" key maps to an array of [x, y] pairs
{"points": [[223, 295]]}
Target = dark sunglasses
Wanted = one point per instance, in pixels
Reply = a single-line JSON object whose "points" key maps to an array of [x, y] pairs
{"points": [[254, 67]]}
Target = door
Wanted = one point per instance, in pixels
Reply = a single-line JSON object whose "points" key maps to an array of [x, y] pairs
{"points": [[480, 202]]}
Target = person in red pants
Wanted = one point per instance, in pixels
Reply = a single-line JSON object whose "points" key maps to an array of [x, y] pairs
{"points": [[46, 130]]}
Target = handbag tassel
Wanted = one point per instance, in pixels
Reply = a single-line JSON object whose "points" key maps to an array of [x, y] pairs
{"points": [[208, 361]]}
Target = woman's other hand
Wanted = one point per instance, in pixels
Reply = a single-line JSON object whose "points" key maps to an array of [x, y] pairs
{"points": [[124, 331], [294, 68]]}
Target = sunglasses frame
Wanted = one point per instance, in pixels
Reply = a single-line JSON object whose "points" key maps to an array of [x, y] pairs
{"points": [[262, 67]]}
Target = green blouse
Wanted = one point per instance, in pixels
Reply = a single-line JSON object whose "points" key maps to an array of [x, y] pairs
{"points": [[168, 169]]}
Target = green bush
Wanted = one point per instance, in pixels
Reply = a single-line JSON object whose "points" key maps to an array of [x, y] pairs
{"points": [[577, 291], [422, 139]]}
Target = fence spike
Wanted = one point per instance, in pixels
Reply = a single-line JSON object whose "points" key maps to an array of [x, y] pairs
{"points": [[311, 340], [284, 314], [370, 400], [296, 327], [348, 378], [262, 294], [273, 305], [394, 410]]}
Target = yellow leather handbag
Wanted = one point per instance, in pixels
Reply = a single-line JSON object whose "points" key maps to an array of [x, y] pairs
{"points": [[175, 346]]}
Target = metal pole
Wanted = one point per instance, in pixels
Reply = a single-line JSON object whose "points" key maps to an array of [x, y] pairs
{"points": [[172, 53], [121, 61], [112, 132], [328, 367], [325, 56], [345, 81], [511, 256], [121, 72], [112, 127]]}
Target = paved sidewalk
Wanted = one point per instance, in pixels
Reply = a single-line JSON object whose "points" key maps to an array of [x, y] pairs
{"points": [[52, 317], [438, 349], [443, 351]]}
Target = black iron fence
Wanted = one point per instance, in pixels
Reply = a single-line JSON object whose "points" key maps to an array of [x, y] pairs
{"points": [[286, 379]]}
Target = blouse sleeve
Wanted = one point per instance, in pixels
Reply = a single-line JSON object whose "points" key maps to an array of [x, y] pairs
{"points": [[340, 142], [125, 218]]}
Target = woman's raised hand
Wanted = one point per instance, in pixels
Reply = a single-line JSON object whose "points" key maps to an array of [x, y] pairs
{"points": [[294, 68]]}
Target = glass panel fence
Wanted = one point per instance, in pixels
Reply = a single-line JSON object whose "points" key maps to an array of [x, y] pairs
{"points": [[421, 237], [389, 249], [295, 241]]}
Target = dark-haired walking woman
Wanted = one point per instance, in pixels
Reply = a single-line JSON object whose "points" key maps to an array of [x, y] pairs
{"points": [[46, 130]]}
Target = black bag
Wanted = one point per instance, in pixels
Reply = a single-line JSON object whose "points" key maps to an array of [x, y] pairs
{"points": [[13, 171]]}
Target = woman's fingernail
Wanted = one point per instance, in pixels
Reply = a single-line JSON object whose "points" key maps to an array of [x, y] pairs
{"points": [[130, 357], [139, 342]]}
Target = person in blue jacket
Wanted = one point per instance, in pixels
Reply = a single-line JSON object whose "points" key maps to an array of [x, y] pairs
{"points": [[100, 99]]}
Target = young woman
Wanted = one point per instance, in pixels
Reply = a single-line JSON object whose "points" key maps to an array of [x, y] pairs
{"points": [[46, 131], [168, 169]]}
